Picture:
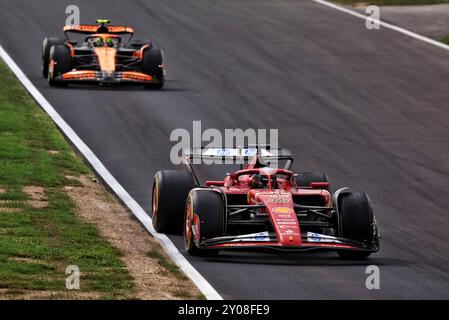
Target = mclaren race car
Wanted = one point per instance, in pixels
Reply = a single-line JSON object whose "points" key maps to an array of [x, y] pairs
{"points": [[102, 56], [260, 206]]}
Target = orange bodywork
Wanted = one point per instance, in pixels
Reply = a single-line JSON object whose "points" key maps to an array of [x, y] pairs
{"points": [[139, 53], [72, 49], [131, 75]]}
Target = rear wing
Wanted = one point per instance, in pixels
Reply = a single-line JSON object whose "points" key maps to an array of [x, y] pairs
{"points": [[236, 155], [93, 28], [265, 152], [241, 156]]}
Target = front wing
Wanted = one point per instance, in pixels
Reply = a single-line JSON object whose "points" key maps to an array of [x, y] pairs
{"points": [[268, 241], [116, 77]]}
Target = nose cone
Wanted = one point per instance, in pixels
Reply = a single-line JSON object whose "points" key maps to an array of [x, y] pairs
{"points": [[282, 215], [106, 58]]}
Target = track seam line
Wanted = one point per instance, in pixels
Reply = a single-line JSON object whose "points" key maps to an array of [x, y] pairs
{"points": [[385, 24], [201, 283]]}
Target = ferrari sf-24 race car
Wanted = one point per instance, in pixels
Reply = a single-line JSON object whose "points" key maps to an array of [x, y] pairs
{"points": [[260, 207], [102, 57]]}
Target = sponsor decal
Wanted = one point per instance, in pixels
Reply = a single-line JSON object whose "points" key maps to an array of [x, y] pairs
{"points": [[282, 210], [291, 233], [249, 152], [313, 237], [287, 222], [277, 198], [316, 237], [260, 236], [223, 152]]}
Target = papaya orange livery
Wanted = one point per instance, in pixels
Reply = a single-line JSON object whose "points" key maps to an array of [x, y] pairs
{"points": [[106, 58], [107, 55]]}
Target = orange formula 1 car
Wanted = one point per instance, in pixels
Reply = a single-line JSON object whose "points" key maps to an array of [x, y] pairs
{"points": [[102, 57]]}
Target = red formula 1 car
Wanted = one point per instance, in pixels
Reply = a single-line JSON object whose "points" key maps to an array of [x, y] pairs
{"points": [[102, 57], [261, 207]]}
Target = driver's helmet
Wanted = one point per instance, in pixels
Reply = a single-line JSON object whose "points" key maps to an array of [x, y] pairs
{"points": [[260, 181], [98, 42], [109, 42]]}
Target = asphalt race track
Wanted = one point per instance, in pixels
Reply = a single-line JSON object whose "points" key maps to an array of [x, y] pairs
{"points": [[369, 108]]}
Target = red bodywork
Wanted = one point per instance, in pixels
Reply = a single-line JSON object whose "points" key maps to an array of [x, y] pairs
{"points": [[277, 203]]}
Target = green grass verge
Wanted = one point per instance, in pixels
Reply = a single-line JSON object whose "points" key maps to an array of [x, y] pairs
{"points": [[36, 245], [166, 264], [169, 267], [393, 2], [445, 40]]}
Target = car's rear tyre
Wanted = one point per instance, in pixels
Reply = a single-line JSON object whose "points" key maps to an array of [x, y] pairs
{"points": [[304, 179], [170, 190], [62, 62], [356, 223], [153, 65], [209, 208], [46, 46]]}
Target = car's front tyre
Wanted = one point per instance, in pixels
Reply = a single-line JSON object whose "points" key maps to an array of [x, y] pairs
{"points": [[46, 46], [357, 223], [205, 210], [60, 63], [153, 65]]}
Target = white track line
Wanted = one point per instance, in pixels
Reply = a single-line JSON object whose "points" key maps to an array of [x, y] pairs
{"points": [[385, 24], [209, 292]]}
